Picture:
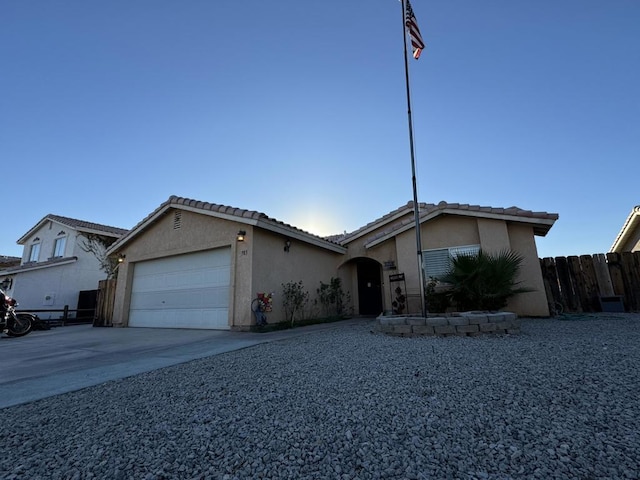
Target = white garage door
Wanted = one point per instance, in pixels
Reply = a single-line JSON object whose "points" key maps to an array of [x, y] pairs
{"points": [[184, 291]]}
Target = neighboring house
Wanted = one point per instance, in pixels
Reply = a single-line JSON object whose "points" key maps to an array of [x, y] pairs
{"points": [[55, 268], [6, 280], [628, 240], [192, 264]]}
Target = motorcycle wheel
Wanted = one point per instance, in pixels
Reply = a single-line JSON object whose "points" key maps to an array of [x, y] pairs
{"points": [[22, 325]]}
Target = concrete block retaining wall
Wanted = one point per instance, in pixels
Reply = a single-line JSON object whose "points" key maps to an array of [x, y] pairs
{"points": [[463, 324]]}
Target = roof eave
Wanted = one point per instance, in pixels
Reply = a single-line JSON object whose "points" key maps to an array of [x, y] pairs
{"points": [[23, 239], [630, 225], [281, 229], [402, 212], [541, 226], [26, 267]]}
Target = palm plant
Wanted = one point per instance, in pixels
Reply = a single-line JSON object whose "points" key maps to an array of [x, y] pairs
{"points": [[484, 281]]}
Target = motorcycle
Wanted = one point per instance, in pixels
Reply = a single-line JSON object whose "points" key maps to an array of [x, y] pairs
{"points": [[12, 323]]}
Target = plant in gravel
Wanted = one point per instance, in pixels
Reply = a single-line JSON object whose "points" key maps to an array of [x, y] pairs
{"points": [[484, 281], [332, 298], [437, 296], [294, 298]]}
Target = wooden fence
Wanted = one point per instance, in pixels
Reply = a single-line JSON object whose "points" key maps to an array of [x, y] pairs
{"points": [[104, 303], [592, 283]]}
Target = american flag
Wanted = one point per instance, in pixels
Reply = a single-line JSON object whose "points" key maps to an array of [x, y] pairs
{"points": [[417, 44]]}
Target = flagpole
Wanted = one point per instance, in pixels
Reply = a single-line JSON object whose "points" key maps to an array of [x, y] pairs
{"points": [[416, 208]]}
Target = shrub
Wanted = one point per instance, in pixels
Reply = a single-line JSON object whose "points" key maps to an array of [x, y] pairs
{"points": [[437, 300], [332, 298], [484, 281], [294, 298]]}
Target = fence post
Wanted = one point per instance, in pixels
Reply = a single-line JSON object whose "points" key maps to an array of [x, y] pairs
{"points": [[591, 290], [602, 275], [632, 280], [65, 315]]}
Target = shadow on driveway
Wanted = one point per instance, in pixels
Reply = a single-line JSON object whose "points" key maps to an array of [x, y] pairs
{"points": [[64, 359]]}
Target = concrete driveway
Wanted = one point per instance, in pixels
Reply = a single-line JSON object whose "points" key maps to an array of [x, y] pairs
{"points": [[64, 359]]}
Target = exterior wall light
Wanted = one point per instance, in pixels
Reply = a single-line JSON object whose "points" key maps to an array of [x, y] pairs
{"points": [[241, 235], [121, 257], [287, 245]]}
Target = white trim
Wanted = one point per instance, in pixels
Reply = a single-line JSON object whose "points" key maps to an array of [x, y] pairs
{"points": [[27, 267], [452, 252], [463, 213], [377, 224], [628, 227]]}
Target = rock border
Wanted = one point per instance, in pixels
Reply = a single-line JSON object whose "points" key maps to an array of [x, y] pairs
{"points": [[459, 324]]}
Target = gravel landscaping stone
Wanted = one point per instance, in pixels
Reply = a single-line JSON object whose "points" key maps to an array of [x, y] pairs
{"points": [[560, 400]]}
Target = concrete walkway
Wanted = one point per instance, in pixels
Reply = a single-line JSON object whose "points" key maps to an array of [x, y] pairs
{"points": [[64, 359]]}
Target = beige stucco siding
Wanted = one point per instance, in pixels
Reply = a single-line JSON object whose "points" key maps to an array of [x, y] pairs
{"points": [[258, 264], [197, 232], [449, 231], [494, 235], [535, 303], [273, 267], [446, 231]]}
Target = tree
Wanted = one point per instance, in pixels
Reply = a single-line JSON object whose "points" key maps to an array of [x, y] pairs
{"points": [[98, 245], [294, 298]]}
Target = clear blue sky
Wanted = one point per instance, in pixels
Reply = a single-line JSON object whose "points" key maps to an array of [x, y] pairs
{"points": [[297, 109]]}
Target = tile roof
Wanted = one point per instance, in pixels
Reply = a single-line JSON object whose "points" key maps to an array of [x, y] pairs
{"points": [[237, 212], [84, 225], [80, 225], [240, 214], [7, 261], [429, 210]]}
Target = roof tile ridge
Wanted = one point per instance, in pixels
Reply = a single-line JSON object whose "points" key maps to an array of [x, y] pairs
{"points": [[76, 222]]}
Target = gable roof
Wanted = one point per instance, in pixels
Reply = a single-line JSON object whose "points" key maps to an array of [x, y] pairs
{"points": [[402, 219], [78, 225], [247, 217], [631, 226], [8, 261]]}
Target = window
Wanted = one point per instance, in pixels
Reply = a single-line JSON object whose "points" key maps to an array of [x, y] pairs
{"points": [[437, 262], [34, 253], [58, 247]]}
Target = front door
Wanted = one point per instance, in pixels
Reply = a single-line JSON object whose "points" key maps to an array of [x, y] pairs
{"points": [[369, 287]]}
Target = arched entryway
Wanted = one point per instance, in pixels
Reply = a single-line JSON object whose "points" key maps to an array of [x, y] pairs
{"points": [[369, 286]]}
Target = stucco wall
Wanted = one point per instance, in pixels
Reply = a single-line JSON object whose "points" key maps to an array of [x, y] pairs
{"points": [[258, 264], [197, 232], [633, 245], [47, 235], [535, 303], [273, 266], [453, 231], [55, 286]]}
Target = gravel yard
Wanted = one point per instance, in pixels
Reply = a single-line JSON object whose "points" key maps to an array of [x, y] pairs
{"points": [[559, 400]]}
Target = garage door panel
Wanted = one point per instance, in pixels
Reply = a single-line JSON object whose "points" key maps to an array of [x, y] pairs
{"points": [[191, 298], [212, 318], [183, 280], [183, 291]]}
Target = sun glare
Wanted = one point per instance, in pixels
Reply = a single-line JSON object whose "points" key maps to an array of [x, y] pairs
{"points": [[316, 221]]}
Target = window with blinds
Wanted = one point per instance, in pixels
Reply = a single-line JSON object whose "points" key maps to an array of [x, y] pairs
{"points": [[437, 262]]}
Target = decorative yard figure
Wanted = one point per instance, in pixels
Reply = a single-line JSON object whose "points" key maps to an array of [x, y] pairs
{"points": [[399, 303], [261, 305]]}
